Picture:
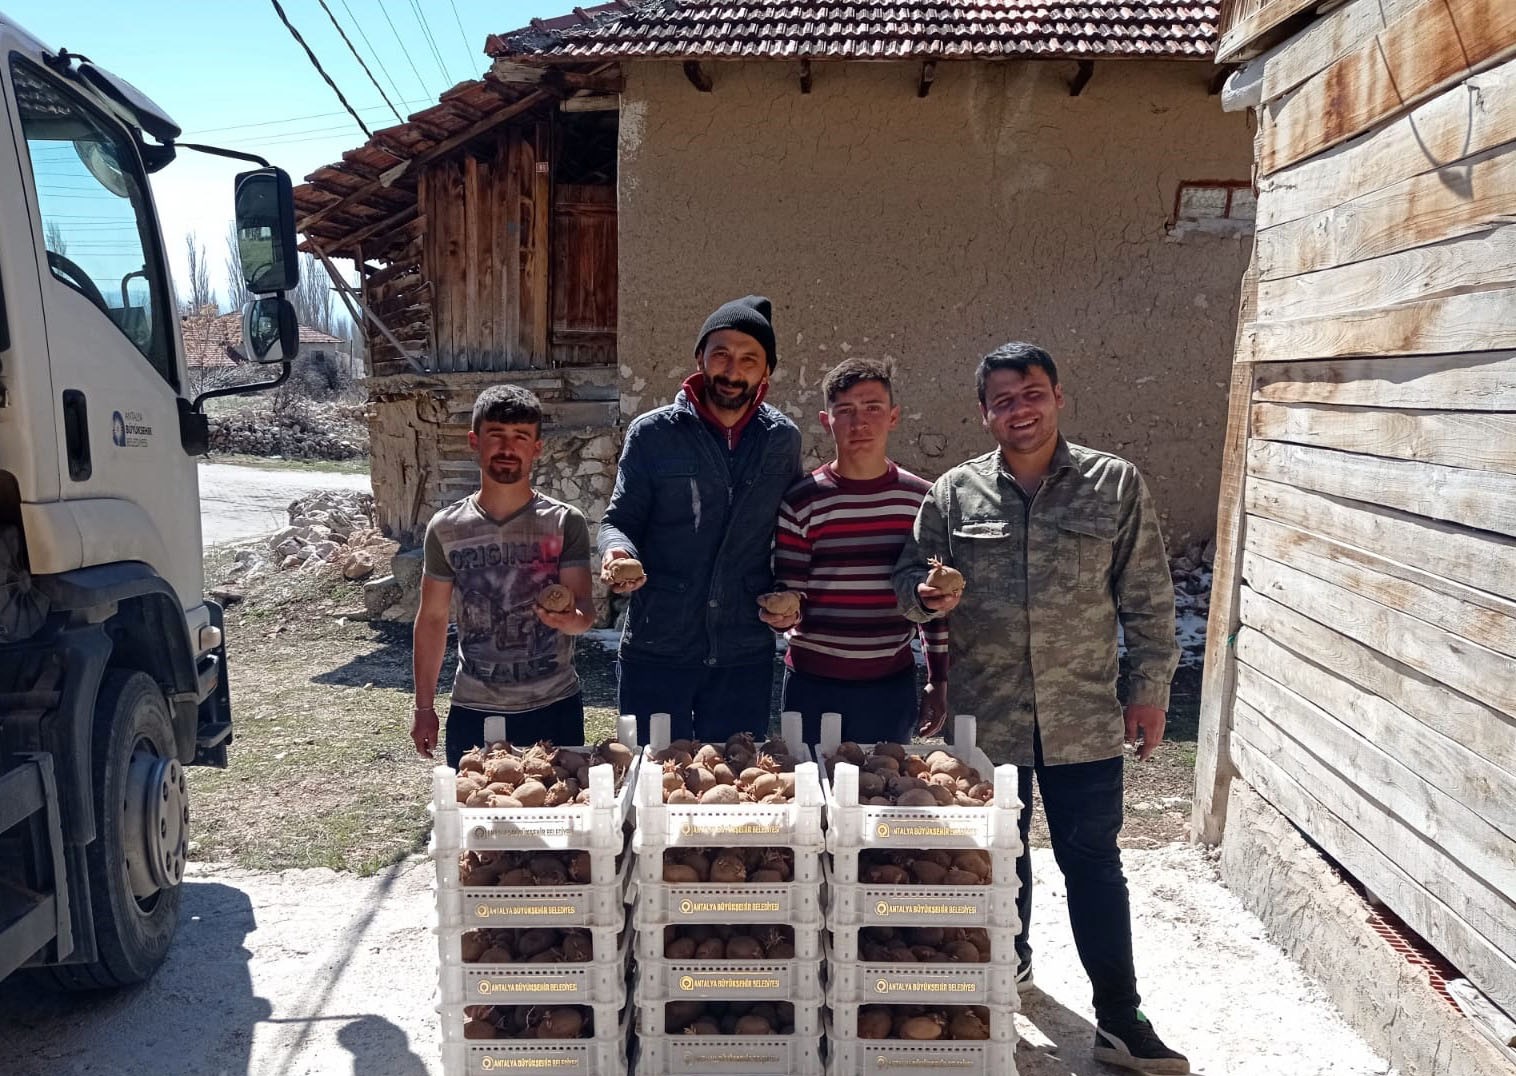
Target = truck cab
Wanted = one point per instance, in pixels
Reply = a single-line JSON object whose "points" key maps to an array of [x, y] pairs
{"points": [[112, 661]]}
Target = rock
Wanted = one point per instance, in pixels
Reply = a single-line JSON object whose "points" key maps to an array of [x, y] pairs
{"points": [[587, 467], [380, 594], [325, 550], [318, 533], [245, 557], [283, 536], [227, 594], [358, 564], [288, 547], [406, 567], [294, 560]]}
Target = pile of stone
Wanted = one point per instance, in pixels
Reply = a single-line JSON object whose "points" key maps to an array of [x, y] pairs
{"points": [[1191, 571], [329, 528], [306, 432]]}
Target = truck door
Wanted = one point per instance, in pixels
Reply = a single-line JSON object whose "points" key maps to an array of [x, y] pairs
{"points": [[112, 334]]}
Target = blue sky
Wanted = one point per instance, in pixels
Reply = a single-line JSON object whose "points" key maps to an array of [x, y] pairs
{"points": [[231, 75]]}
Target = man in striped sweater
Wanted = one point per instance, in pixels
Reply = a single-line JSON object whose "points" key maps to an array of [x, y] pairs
{"points": [[841, 528]]}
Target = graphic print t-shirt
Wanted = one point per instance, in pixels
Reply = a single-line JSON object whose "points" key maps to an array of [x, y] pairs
{"points": [[508, 660]]}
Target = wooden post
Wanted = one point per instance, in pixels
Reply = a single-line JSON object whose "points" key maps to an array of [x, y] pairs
{"points": [[473, 265], [346, 291], [542, 215], [1213, 755]]}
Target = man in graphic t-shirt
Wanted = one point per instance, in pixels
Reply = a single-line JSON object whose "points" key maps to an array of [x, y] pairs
{"points": [[488, 559]]}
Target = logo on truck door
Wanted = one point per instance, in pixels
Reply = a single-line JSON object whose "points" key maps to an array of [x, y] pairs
{"points": [[128, 430]]}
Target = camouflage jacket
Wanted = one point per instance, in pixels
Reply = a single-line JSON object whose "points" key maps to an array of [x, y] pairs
{"points": [[1048, 579]]}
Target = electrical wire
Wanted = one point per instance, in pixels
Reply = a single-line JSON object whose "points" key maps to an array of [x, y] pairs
{"points": [[461, 33], [279, 10], [361, 62], [426, 32], [405, 51], [357, 22]]}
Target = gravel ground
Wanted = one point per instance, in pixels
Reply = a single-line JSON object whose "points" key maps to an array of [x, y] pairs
{"points": [[315, 973]]}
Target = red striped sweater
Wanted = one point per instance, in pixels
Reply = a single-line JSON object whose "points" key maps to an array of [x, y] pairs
{"points": [[837, 541]]}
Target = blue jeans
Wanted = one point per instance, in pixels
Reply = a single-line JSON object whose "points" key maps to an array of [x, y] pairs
{"points": [[561, 721], [872, 710], [1082, 802], [704, 702]]}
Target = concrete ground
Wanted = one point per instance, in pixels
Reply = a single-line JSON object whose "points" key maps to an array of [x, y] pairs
{"points": [[314, 973], [244, 502]]}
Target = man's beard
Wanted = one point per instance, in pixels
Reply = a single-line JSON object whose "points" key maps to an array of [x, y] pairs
{"points": [[505, 472], [740, 402]]}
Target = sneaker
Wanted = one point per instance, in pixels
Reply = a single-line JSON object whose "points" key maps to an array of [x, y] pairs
{"points": [[1024, 980], [1133, 1044]]}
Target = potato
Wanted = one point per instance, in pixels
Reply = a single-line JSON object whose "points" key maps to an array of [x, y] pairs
{"points": [[954, 876], [722, 794], [679, 949], [564, 1023], [681, 795], [556, 598], [532, 793], [578, 949], [874, 1022], [703, 1026], [478, 1029], [887, 874], [473, 945], [711, 949], [580, 868], [916, 797], [478, 798], [925, 872], [923, 1027], [678, 1014], [869, 784], [781, 602], [679, 874], [765, 876], [622, 570], [743, 947], [945, 578], [728, 868], [534, 940], [753, 1024], [965, 952], [966, 1024]]}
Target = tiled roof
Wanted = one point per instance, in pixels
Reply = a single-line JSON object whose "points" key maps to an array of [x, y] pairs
{"points": [[216, 339], [906, 29]]}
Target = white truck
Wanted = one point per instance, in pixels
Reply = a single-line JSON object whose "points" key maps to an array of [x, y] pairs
{"points": [[112, 665]]}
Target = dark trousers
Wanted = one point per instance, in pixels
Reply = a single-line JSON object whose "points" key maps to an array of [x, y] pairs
{"points": [[562, 722], [704, 702], [1082, 802], [872, 711]]}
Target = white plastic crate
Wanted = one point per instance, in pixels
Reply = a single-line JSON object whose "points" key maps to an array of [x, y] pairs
{"points": [[807, 865], [851, 824], [729, 980], [522, 983], [860, 905], [845, 863], [650, 1021], [599, 824], [843, 1017], [992, 983], [649, 943], [663, 825], [599, 905], [603, 1055], [713, 1055], [798, 903], [604, 868], [842, 946], [890, 1057], [607, 944]]}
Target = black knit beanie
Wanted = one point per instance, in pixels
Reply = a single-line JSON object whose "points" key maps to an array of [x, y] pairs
{"points": [[753, 315]]}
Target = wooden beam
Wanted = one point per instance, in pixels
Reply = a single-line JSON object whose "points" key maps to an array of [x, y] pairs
{"points": [[1467, 381], [1485, 500], [542, 255], [1239, 36], [1482, 729], [1433, 44], [928, 76], [1324, 41], [1082, 75], [1213, 763], [1469, 321], [1464, 121], [805, 75], [698, 76], [1479, 440], [1375, 848], [343, 287], [1483, 261], [406, 215], [1450, 554], [441, 149], [1466, 667]]}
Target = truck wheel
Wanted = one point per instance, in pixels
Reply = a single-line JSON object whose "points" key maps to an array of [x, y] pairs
{"points": [[136, 861]]}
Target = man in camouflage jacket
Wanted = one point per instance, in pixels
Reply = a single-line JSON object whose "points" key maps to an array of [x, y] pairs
{"points": [[1058, 545]]}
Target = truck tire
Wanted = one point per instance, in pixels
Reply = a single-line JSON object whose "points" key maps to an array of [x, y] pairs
{"points": [[136, 861]]}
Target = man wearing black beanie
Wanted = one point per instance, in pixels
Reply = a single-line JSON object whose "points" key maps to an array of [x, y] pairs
{"points": [[696, 499]]}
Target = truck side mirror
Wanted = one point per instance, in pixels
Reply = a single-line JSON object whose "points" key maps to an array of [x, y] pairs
{"points": [[265, 209], [270, 330]]}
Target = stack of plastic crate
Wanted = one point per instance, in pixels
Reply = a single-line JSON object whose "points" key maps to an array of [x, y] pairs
{"points": [[488, 935], [673, 993], [981, 993]]}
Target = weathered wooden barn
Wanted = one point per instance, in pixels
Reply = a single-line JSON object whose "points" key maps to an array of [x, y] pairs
{"points": [[914, 180], [1361, 670]]}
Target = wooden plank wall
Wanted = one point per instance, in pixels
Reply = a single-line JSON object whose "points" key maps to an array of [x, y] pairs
{"points": [[1372, 697]]}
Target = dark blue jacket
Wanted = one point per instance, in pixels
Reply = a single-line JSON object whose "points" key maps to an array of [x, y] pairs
{"points": [[701, 519]]}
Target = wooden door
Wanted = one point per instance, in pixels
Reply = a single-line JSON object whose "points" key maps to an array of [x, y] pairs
{"points": [[584, 275]]}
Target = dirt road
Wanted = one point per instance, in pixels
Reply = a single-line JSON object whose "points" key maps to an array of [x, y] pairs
{"points": [[315, 973], [244, 502]]}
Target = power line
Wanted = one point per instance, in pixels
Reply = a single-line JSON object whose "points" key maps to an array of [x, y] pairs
{"points": [[373, 51], [278, 10], [466, 50], [288, 119], [361, 62], [404, 51], [426, 31]]}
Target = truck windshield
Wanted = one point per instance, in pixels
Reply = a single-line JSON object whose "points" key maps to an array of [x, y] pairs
{"points": [[96, 220]]}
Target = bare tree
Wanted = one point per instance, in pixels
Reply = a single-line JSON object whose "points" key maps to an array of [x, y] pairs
{"points": [[237, 295], [313, 296], [200, 293], [52, 234]]}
